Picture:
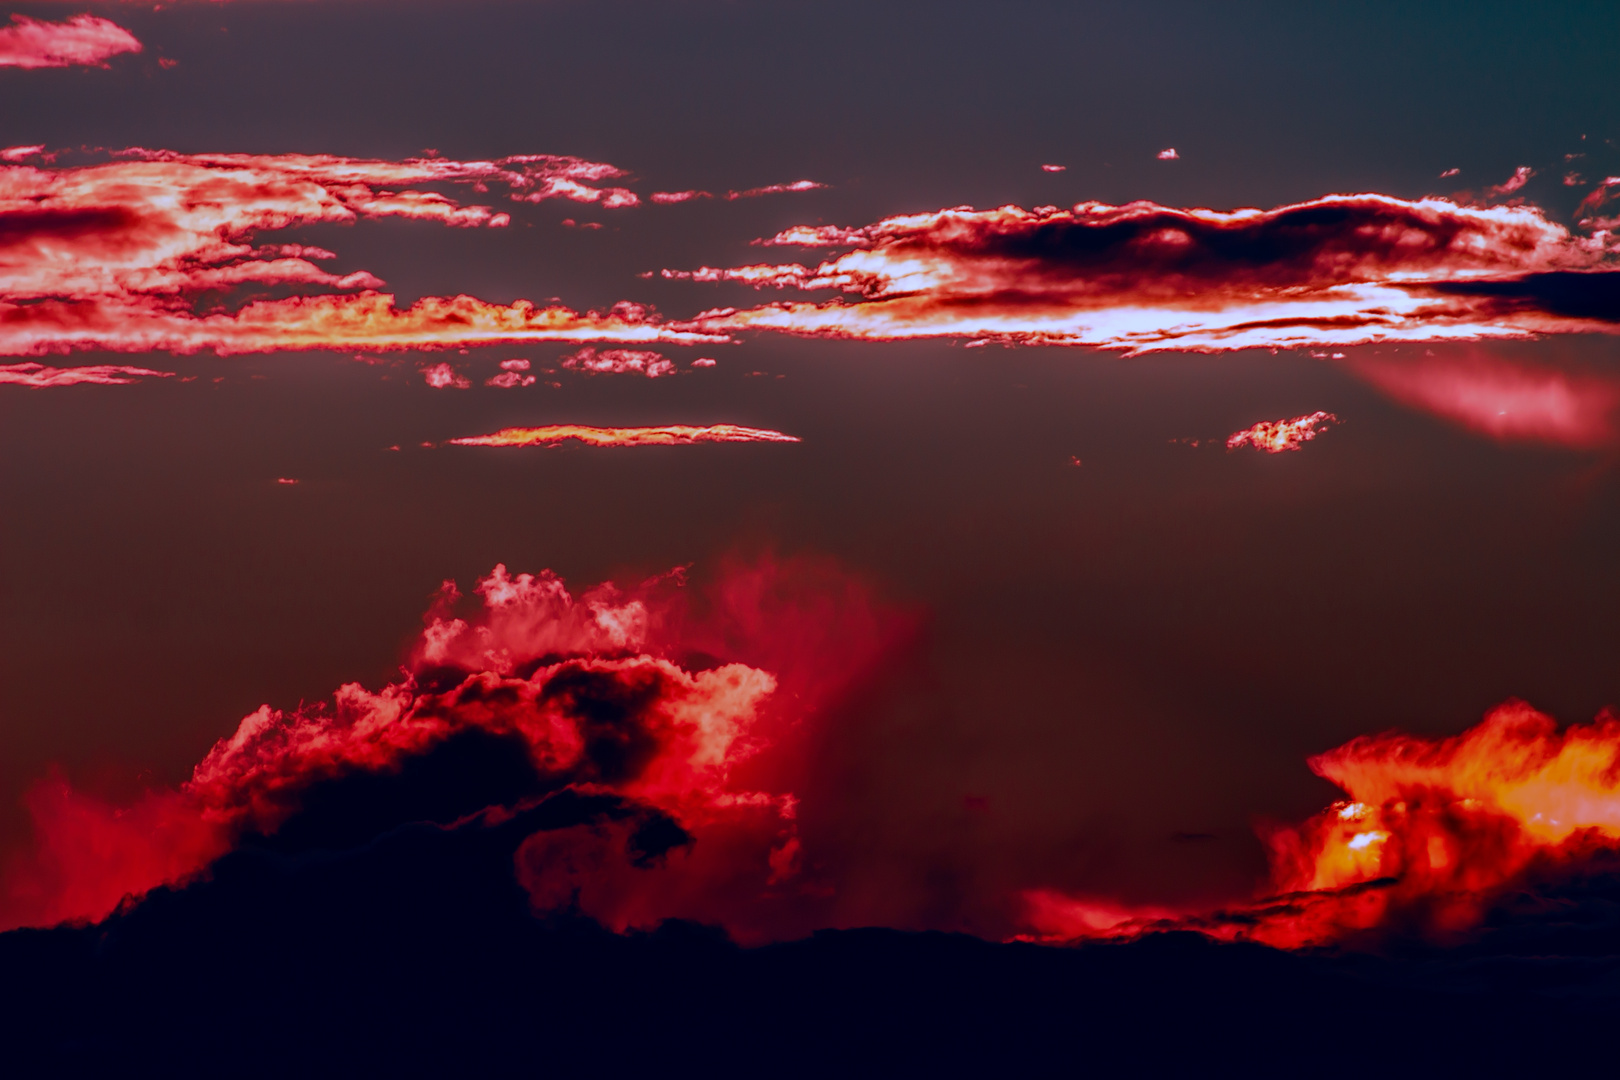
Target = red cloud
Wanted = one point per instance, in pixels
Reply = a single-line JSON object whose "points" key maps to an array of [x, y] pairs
{"points": [[81, 40], [669, 435], [1340, 270], [111, 255], [598, 693], [39, 376]]}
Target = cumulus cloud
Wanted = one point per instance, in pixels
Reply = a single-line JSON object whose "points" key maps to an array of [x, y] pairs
{"points": [[1339, 270], [83, 40], [114, 255], [595, 695], [668, 435], [444, 376], [1433, 833]]}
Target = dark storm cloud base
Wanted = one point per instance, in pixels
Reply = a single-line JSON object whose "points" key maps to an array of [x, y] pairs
{"points": [[415, 953]]}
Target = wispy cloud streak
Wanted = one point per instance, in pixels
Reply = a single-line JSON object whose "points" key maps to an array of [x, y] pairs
{"points": [[40, 377], [669, 435]]}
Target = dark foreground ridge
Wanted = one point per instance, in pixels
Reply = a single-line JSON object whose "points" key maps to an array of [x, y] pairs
{"points": [[414, 953]]}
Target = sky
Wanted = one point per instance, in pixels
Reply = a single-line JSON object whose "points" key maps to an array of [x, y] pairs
{"points": [[1068, 420]]}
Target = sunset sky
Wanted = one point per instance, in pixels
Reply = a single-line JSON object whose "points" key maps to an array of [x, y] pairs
{"points": [[1018, 437]]}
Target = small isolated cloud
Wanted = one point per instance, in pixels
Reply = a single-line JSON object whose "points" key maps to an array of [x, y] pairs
{"points": [[1449, 173], [1279, 436], [512, 375], [1168, 154], [444, 377], [1054, 168], [619, 362], [669, 435], [1520, 177], [83, 40], [704, 361], [39, 376]]}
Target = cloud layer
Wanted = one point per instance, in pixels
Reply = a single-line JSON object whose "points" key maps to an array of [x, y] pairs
{"points": [[1339, 270], [116, 255]]}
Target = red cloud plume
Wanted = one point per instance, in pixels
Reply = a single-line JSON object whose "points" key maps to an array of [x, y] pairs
{"points": [[1279, 436], [113, 255], [1504, 399], [598, 692], [670, 435], [1432, 832], [81, 40], [1339, 270], [39, 376]]}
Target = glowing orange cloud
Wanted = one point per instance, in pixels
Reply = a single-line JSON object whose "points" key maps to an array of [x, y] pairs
{"points": [[111, 256], [1504, 399], [619, 362], [1278, 436], [82, 40], [669, 435], [1433, 831], [1340, 270], [39, 376]]}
